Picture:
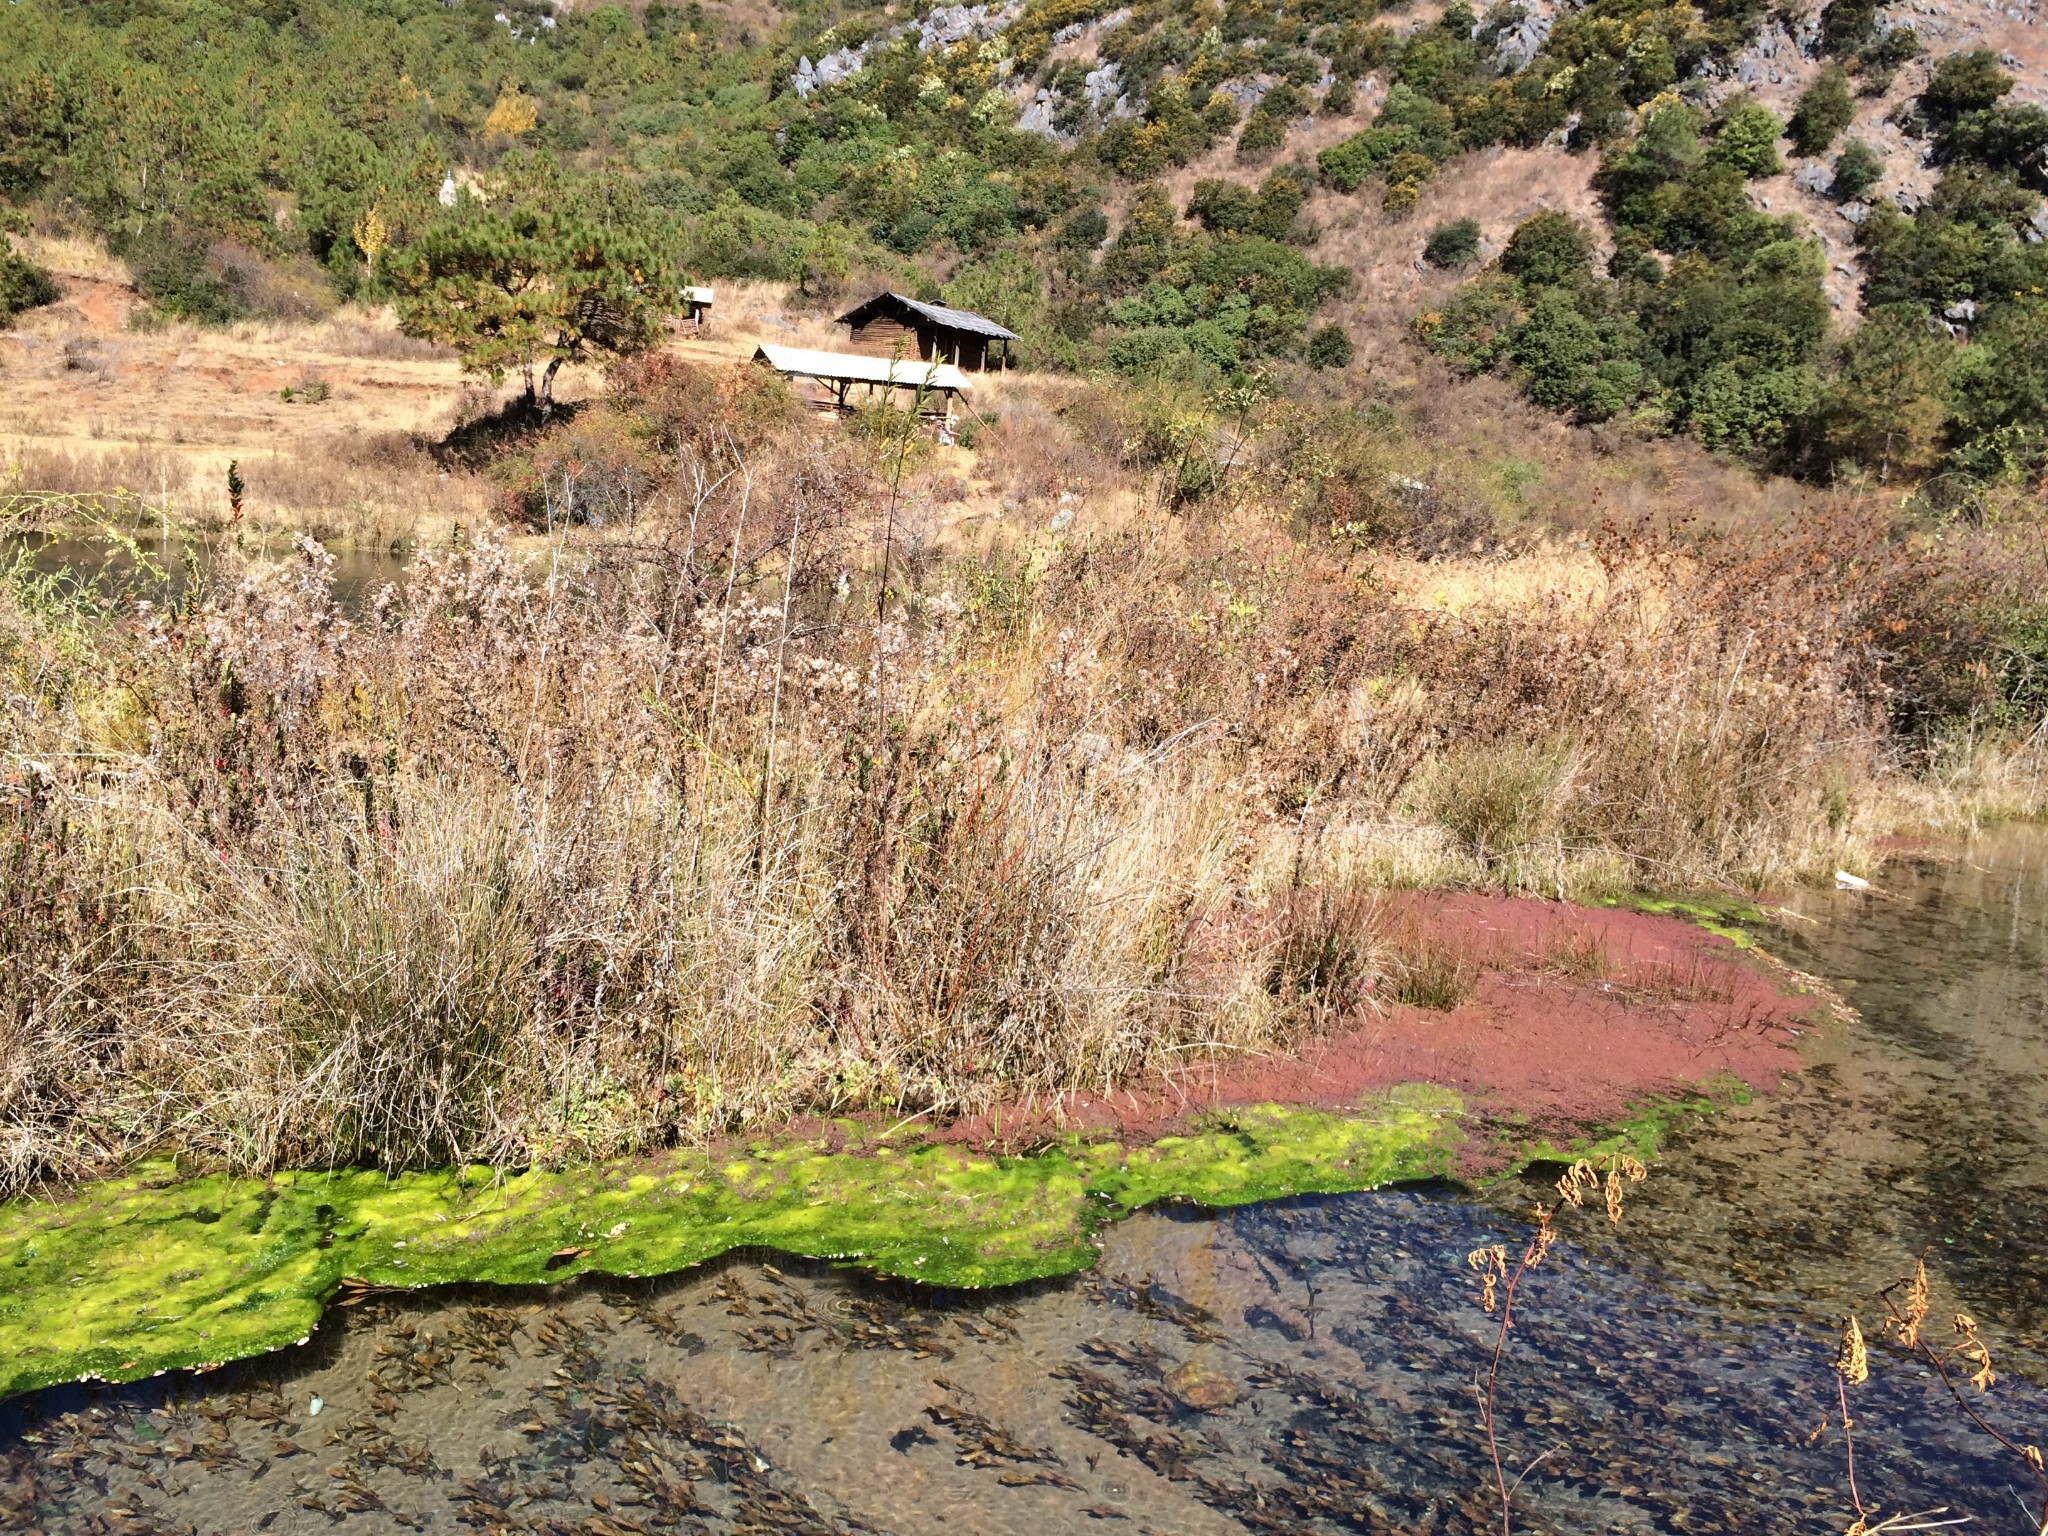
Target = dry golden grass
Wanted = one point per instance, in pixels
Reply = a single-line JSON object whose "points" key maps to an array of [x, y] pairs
{"points": [[684, 824], [663, 833], [76, 256], [1498, 187], [97, 407]]}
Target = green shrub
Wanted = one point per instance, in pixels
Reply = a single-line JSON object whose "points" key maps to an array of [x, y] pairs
{"points": [[1857, 169], [1846, 25], [1455, 244], [1747, 140], [1964, 82], [1263, 133], [2004, 138], [1347, 165], [172, 270], [1329, 347], [1825, 108], [1901, 45], [1750, 412], [1883, 408], [1340, 98], [2001, 392], [1551, 247], [1228, 207], [23, 284]]}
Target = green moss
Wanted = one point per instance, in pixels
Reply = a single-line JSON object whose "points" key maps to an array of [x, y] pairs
{"points": [[1731, 917], [1640, 1132], [148, 1273]]}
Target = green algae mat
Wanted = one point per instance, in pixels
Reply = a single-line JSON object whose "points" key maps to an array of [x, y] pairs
{"points": [[133, 1276]]}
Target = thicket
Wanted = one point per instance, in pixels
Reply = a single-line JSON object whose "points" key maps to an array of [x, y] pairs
{"points": [[709, 817], [1711, 317]]}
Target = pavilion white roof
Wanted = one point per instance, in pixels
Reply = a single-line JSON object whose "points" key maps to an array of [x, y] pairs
{"points": [[903, 373]]}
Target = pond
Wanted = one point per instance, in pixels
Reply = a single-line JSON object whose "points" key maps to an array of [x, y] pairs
{"points": [[1307, 1365], [161, 575]]}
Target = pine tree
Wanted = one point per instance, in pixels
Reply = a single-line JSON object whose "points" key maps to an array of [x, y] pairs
{"points": [[529, 290], [1884, 408]]}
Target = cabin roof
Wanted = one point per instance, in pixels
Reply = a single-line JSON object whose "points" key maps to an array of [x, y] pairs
{"points": [[902, 373], [938, 314]]}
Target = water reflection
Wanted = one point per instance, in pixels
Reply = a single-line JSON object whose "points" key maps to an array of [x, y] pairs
{"points": [[1305, 1366], [163, 575]]}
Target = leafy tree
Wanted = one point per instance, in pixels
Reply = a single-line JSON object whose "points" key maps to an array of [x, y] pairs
{"points": [[1550, 247], [525, 289], [1231, 208], [1263, 132], [1858, 168], [2000, 398], [1455, 244], [1825, 109], [1964, 82], [1847, 25], [1749, 411], [1881, 60], [1225, 206], [2005, 138], [1747, 141], [1968, 241], [1009, 288]]}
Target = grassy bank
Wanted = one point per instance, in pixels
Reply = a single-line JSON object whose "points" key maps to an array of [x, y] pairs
{"points": [[752, 772]]}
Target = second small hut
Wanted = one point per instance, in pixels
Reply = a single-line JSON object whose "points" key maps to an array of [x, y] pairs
{"points": [[890, 325]]}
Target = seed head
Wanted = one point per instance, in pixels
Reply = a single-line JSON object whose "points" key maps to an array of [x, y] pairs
{"points": [[1974, 1350], [1852, 1359], [1906, 1326]]}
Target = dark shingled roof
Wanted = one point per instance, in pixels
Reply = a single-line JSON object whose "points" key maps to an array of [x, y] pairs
{"points": [[938, 314]]}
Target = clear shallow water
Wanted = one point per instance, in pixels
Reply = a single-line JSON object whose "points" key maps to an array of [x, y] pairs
{"points": [[358, 574], [1301, 1366]]}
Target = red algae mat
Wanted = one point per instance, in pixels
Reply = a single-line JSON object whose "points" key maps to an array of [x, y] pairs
{"points": [[1562, 1017]]}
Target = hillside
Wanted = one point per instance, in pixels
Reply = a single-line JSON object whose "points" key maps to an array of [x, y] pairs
{"points": [[1180, 191]]}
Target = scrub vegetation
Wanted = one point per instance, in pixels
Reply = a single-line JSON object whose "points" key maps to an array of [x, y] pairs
{"points": [[757, 787]]}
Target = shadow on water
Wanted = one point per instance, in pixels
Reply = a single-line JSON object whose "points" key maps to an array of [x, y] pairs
{"points": [[1303, 1366]]}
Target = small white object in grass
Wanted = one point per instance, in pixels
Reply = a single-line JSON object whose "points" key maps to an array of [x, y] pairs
{"points": [[1844, 881], [313, 1408]]}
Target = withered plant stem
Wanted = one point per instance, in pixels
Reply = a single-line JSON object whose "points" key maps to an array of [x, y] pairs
{"points": [[2028, 1457]]}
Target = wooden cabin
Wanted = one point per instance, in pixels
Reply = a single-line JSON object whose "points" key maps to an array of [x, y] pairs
{"points": [[889, 325], [697, 305]]}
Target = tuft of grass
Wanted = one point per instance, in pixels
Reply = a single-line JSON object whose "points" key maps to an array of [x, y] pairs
{"points": [[1430, 972]]}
